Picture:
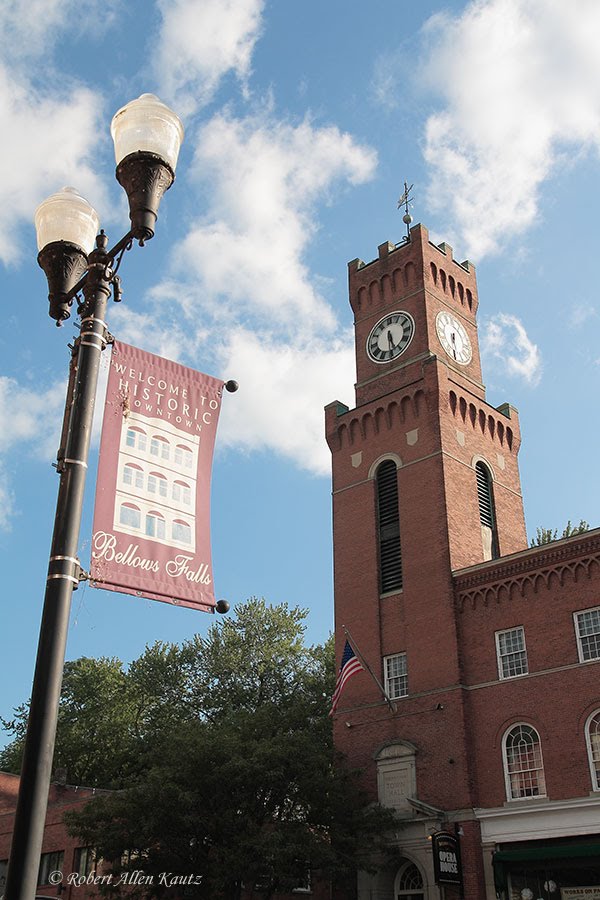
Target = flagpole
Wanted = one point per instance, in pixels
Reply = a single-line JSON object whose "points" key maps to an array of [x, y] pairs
{"points": [[366, 665]]}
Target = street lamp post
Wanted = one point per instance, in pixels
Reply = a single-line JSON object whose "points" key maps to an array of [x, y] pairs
{"points": [[147, 137]]}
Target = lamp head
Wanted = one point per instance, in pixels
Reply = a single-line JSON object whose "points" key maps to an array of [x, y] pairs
{"points": [[66, 226], [147, 137]]}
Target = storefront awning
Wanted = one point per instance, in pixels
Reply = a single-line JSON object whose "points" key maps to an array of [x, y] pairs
{"points": [[548, 853], [563, 851]]}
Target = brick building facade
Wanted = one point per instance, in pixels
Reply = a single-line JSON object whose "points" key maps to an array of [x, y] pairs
{"points": [[488, 649], [71, 871], [60, 852]]}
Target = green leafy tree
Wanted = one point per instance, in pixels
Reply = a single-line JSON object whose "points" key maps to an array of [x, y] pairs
{"points": [[247, 801], [256, 657], [109, 715], [222, 751], [93, 724], [547, 535]]}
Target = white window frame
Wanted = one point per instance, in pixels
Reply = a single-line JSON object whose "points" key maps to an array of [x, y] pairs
{"points": [[402, 888], [582, 612], [84, 861], [177, 526], [593, 752], [506, 657], [395, 679], [50, 862], [306, 886], [541, 777], [156, 527], [130, 516]]}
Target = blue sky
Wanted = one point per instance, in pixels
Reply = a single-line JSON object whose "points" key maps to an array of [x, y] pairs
{"points": [[302, 122]]}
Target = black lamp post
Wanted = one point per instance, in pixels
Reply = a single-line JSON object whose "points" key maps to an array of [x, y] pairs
{"points": [[147, 137]]}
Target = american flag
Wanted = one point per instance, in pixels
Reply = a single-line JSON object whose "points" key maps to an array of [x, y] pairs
{"points": [[349, 666]]}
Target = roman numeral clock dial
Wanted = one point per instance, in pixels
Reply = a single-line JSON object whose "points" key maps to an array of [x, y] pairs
{"points": [[454, 338], [390, 337]]}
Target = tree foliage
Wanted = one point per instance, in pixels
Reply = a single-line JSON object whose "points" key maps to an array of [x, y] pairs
{"points": [[222, 752], [547, 535]]}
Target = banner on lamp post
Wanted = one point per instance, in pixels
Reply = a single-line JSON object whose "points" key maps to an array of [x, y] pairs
{"points": [[151, 532]]}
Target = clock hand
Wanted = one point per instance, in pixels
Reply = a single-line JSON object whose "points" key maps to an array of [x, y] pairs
{"points": [[453, 339], [390, 340]]}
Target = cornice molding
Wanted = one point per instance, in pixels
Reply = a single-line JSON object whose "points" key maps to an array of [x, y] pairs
{"points": [[532, 569]]}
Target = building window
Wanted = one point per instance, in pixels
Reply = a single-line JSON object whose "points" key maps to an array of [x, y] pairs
{"points": [[182, 493], [587, 626], [157, 483], [396, 678], [511, 652], [50, 862], [130, 515], [136, 438], [183, 456], [84, 861], [133, 476], [524, 767], [181, 532], [133, 858], [303, 884], [487, 512], [388, 520], [592, 737], [159, 446], [155, 525], [409, 883]]}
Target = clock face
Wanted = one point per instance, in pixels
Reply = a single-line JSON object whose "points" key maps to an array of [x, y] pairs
{"points": [[390, 337], [454, 338]]}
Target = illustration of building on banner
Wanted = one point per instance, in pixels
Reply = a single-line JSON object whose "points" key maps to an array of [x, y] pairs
{"points": [[156, 482]]}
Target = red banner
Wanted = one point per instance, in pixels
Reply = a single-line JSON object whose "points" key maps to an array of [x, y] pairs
{"points": [[151, 534]]}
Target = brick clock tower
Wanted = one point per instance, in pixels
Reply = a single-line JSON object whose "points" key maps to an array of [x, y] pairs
{"points": [[425, 482]]}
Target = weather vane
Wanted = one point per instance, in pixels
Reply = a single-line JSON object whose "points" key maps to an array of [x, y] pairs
{"points": [[404, 201]]}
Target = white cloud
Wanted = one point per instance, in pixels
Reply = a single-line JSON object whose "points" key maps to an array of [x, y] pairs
{"points": [[50, 127], [50, 124], [505, 341], [202, 40], [580, 314], [29, 28], [245, 257], [30, 417], [241, 273], [6, 502], [48, 142], [520, 82], [30, 424], [283, 391]]}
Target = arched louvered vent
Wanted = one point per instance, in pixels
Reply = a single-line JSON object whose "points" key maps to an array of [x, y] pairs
{"points": [[484, 493], [390, 556], [487, 516]]}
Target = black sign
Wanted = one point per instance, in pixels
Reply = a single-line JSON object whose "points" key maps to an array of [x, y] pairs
{"points": [[446, 858]]}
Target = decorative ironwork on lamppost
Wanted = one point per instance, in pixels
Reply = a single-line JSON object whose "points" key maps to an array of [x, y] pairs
{"points": [[79, 268]]}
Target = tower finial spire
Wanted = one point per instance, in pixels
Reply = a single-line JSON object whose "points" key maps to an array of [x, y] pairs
{"points": [[404, 201]]}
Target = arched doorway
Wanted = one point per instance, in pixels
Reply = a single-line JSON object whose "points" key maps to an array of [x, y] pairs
{"points": [[409, 883]]}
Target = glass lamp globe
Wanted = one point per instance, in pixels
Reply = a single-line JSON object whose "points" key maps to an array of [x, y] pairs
{"points": [[67, 216], [148, 125], [147, 136]]}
